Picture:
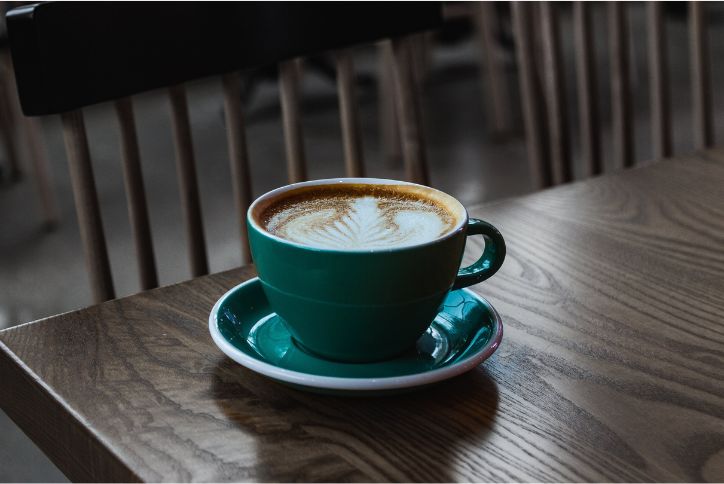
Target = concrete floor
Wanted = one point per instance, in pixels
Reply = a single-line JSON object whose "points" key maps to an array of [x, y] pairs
{"points": [[36, 266]]}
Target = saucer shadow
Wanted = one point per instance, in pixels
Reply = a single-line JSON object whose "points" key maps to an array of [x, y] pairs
{"points": [[300, 436]]}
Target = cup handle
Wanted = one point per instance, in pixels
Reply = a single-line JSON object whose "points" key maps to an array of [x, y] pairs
{"points": [[489, 262]]}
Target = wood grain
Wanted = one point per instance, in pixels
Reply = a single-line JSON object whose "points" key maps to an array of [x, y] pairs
{"points": [[611, 367]]}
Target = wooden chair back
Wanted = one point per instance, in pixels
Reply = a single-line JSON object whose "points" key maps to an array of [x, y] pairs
{"points": [[543, 91], [71, 55]]}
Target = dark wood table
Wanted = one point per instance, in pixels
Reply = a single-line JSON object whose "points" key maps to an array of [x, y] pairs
{"points": [[611, 367]]}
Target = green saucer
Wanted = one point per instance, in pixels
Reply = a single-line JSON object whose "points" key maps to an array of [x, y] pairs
{"points": [[465, 332]]}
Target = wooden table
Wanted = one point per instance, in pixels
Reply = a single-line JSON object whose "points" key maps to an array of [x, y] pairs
{"points": [[611, 367]]}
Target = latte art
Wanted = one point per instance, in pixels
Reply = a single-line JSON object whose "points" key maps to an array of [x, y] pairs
{"points": [[353, 221]]}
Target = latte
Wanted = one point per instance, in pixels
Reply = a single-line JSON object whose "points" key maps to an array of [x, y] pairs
{"points": [[358, 216]]}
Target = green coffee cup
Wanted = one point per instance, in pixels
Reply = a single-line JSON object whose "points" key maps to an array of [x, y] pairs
{"points": [[370, 304]]}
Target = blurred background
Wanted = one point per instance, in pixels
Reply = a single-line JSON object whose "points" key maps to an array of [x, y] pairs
{"points": [[471, 155]]}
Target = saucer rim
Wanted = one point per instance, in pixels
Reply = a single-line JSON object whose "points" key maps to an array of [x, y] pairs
{"points": [[348, 383]]}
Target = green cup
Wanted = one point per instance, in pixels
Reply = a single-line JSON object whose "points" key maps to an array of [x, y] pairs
{"points": [[366, 305]]}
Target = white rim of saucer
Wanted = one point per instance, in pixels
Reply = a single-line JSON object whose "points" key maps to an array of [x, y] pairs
{"points": [[354, 384]]}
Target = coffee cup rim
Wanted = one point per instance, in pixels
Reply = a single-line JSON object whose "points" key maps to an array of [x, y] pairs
{"points": [[460, 226]]}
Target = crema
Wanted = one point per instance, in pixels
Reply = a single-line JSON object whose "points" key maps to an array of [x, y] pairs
{"points": [[358, 217]]}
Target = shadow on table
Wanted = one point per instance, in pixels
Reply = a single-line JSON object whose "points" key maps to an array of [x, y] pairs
{"points": [[416, 436]]}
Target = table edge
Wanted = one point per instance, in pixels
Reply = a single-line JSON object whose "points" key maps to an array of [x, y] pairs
{"points": [[67, 433]]}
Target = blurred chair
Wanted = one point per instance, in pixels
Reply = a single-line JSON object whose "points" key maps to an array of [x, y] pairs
{"points": [[487, 22], [544, 94], [420, 52], [71, 55]]}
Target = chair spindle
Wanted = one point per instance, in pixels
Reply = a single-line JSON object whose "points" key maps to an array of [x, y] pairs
{"points": [[41, 171], [389, 118], [8, 125], [587, 96], [238, 157], [530, 95], [187, 179], [351, 136], [659, 81], [622, 125], [407, 94], [420, 49], [559, 137], [136, 194], [495, 86], [86, 206], [291, 117], [700, 80]]}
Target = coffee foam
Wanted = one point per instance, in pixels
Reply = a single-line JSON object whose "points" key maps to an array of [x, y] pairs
{"points": [[358, 217]]}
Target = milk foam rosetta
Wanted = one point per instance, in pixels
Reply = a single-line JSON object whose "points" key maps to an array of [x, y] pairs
{"points": [[349, 219]]}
